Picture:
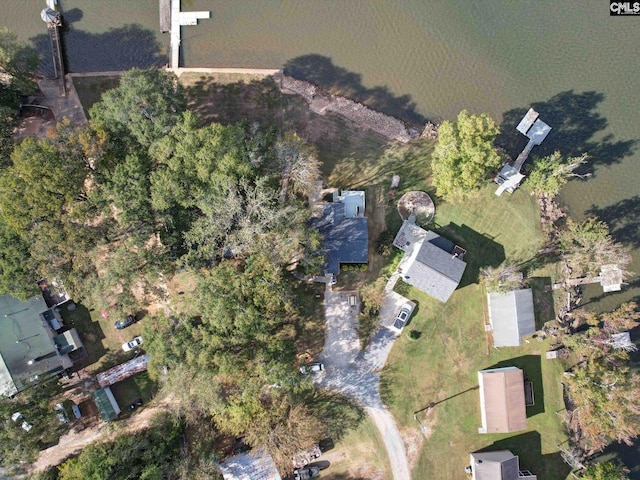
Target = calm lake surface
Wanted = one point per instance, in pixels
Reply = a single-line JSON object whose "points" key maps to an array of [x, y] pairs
{"points": [[416, 59]]}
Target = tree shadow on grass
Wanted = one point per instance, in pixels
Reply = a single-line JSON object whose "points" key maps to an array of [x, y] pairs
{"points": [[482, 251], [321, 71], [531, 365], [528, 447], [90, 332], [542, 300], [575, 121], [338, 413], [124, 48]]}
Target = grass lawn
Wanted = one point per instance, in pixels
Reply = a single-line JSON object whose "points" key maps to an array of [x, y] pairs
{"points": [[90, 89], [441, 365], [360, 454], [129, 390], [102, 341]]}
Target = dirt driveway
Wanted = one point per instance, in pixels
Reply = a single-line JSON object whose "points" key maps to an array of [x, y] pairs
{"points": [[356, 374]]}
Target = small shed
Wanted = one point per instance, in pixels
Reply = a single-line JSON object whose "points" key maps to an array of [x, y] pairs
{"points": [[502, 400], [254, 465], [106, 403], [498, 465], [511, 316]]}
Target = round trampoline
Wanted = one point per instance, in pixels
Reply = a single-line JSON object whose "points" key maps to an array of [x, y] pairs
{"points": [[419, 204]]}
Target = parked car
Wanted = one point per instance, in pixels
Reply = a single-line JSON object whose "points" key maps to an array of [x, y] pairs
{"points": [[403, 316], [314, 367], [130, 320], [306, 473], [305, 457], [131, 344], [136, 404]]}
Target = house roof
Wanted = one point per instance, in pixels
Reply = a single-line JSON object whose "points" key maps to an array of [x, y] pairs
{"points": [[511, 316], [255, 465], [346, 239], [502, 402], [26, 344], [432, 267], [106, 403], [496, 465]]}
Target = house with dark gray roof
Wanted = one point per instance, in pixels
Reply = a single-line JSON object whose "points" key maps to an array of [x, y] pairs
{"points": [[511, 316], [431, 263], [33, 343], [497, 465], [344, 229]]}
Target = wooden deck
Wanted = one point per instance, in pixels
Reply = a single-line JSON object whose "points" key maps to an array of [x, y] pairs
{"points": [[165, 16]]}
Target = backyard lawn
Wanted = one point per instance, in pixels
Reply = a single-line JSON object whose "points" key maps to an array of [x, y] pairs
{"points": [[441, 365]]}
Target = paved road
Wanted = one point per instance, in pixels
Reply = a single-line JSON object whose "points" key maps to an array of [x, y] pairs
{"points": [[355, 373]]}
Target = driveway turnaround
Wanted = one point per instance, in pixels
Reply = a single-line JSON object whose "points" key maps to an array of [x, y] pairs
{"points": [[354, 373]]}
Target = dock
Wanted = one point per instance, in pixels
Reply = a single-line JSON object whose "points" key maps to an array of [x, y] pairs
{"points": [[177, 20], [165, 16]]}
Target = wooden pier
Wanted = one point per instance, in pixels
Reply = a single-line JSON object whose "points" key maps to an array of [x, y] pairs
{"points": [[177, 20], [165, 16]]}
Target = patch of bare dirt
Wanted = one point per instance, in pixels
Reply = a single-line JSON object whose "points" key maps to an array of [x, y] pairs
{"points": [[74, 441], [416, 203], [413, 440]]}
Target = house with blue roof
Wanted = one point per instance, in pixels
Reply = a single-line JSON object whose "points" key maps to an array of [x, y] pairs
{"points": [[344, 229]]}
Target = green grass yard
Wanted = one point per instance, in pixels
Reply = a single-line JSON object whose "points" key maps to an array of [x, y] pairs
{"points": [[441, 365]]}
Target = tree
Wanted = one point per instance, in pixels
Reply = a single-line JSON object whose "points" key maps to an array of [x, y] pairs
{"points": [[16, 275], [18, 62], [40, 184], [605, 471], [602, 387], [143, 108], [587, 246], [501, 279], [549, 174], [299, 165], [152, 454], [464, 155]]}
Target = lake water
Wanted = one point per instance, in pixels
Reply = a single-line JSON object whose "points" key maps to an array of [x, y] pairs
{"points": [[416, 59]]}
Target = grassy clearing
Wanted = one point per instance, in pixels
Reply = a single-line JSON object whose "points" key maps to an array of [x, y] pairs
{"points": [[441, 366], [101, 339], [129, 390], [90, 89], [359, 455]]}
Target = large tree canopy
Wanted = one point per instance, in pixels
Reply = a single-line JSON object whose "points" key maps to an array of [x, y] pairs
{"points": [[549, 174], [602, 387], [587, 246], [464, 155], [18, 61], [146, 105]]}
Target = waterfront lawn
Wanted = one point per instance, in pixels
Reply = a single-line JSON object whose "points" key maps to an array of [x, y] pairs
{"points": [[441, 365], [91, 88]]}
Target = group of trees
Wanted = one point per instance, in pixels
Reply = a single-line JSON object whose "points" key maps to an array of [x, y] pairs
{"points": [[587, 246], [144, 190], [603, 387], [150, 454], [465, 156]]}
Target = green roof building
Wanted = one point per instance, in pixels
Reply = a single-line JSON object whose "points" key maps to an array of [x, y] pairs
{"points": [[106, 403], [30, 346]]}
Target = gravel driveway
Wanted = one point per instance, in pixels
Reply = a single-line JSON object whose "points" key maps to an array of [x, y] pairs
{"points": [[356, 374]]}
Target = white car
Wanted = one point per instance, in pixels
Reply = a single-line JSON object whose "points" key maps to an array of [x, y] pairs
{"points": [[312, 368], [403, 316], [131, 344]]}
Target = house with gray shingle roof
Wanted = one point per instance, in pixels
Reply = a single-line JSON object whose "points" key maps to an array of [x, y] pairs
{"points": [[344, 229], [431, 263]]}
